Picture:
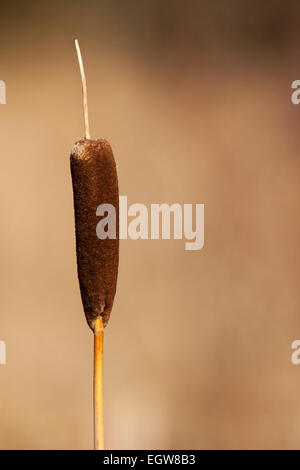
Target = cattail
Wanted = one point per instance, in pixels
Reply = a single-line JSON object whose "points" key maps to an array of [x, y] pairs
{"points": [[95, 182]]}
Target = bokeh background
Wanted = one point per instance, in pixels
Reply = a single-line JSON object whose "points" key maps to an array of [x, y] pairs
{"points": [[195, 100]]}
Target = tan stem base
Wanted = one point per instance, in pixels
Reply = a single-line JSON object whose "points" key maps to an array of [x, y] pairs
{"points": [[98, 386]]}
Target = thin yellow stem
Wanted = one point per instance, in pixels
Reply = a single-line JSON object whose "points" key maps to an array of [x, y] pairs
{"points": [[98, 385], [84, 92]]}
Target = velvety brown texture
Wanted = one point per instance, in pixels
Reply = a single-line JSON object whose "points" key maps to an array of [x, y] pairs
{"points": [[95, 182]]}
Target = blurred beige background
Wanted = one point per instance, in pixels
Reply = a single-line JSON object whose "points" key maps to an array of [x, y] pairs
{"points": [[195, 100]]}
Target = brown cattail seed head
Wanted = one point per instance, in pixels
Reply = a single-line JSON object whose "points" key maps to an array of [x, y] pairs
{"points": [[95, 182]]}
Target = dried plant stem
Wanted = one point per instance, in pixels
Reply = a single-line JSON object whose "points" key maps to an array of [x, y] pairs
{"points": [[98, 385], [84, 92]]}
